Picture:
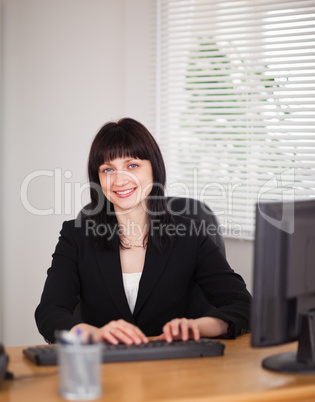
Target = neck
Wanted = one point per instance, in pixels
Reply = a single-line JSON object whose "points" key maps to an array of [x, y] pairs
{"points": [[133, 226]]}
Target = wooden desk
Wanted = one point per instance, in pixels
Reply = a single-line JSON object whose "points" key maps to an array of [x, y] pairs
{"points": [[235, 377]]}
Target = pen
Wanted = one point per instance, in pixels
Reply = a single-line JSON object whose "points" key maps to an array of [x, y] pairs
{"points": [[65, 337]]}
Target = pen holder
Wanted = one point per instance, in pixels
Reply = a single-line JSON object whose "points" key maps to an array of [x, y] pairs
{"points": [[79, 371]]}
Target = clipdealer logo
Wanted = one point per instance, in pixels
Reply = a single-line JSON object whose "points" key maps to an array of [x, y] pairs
{"points": [[67, 197]]}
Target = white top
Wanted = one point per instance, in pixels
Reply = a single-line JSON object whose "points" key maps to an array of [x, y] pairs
{"points": [[131, 285]]}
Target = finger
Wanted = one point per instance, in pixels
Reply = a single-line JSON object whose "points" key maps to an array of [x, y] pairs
{"points": [[121, 335], [184, 329], [133, 331], [102, 335], [175, 328], [194, 330], [167, 332], [141, 335], [124, 333], [109, 336]]}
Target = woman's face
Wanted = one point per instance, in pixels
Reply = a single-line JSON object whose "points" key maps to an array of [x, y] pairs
{"points": [[126, 182]]}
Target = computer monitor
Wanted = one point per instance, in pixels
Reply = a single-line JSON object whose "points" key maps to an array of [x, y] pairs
{"points": [[283, 308]]}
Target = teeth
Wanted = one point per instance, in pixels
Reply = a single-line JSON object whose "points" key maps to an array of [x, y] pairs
{"points": [[124, 192]]}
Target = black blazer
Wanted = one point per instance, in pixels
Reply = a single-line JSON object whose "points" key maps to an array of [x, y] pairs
{"points": [[190, 279]]}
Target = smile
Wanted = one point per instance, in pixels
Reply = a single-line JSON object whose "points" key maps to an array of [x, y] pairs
{"points": [[125, 193]]}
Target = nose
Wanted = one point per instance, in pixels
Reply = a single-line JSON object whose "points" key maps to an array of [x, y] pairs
{"points": [[121, 179]]}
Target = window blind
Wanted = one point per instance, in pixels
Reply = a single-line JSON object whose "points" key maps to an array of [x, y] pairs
{"points": [[236, 103]]}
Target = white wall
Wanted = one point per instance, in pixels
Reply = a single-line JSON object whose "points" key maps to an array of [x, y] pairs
{"points": [[63, 76], [68, 66], [140, 61], [240, 255]]}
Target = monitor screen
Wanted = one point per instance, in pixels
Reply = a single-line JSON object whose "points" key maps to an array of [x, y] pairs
{"points": [[283, 308]]}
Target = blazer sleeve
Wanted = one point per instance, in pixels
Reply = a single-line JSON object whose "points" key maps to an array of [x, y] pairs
{"points": [[224, 289], [61, 289]]}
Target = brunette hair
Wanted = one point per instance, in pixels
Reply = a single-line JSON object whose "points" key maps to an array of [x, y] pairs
{"points": [[127, 138]]}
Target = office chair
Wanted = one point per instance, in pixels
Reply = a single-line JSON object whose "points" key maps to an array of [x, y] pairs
{"points": [[199, 211]]}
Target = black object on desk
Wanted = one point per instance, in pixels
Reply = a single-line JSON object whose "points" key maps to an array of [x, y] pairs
{"points": [[3, 363], [154, 350]]}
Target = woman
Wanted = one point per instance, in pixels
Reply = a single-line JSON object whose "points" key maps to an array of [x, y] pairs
{"points": [[137, 269]]}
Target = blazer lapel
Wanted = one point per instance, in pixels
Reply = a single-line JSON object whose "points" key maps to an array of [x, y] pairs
{"points": [[154, 266], [110, 267]]}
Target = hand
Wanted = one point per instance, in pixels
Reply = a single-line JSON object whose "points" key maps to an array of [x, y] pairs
{"points": [[120, 331], [180, 328]]}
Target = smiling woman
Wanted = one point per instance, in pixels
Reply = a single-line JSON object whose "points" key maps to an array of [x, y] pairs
{"points": [[141, 271]]}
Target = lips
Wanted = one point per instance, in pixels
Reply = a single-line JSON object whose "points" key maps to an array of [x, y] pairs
{"points": [[125, 193]]}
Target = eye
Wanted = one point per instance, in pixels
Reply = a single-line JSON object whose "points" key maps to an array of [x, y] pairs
{"points": [[133, 166], [108, 170]]}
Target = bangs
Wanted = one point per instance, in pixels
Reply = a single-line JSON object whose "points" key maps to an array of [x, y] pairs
{"points": [[120, 144]]}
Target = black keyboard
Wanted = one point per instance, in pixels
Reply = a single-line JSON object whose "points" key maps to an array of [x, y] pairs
{"points": [[154, 350]]}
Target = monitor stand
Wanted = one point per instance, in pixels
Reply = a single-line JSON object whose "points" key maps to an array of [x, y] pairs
{"points": [[302, 361]]}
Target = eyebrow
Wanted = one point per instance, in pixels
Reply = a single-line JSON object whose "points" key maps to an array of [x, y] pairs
{"points": [[127, 161]]}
